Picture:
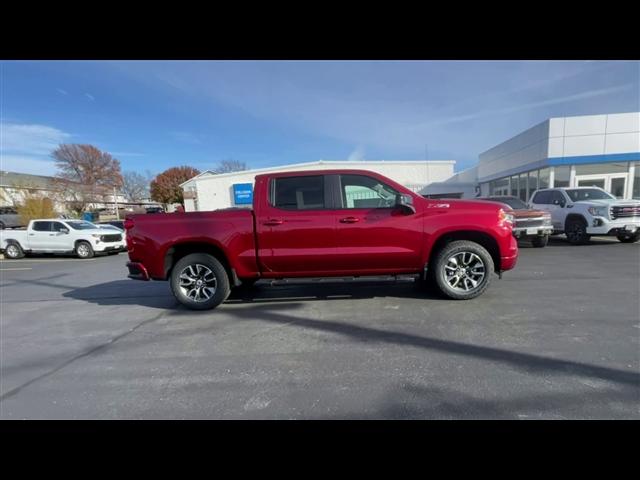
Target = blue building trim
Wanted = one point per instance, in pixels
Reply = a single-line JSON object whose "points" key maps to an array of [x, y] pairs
{"points": [[558, 161], [604, 158]]}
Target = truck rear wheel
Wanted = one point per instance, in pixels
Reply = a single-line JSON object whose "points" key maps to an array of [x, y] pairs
{"points": [[200, 282], [13, 251], [463, 270]]}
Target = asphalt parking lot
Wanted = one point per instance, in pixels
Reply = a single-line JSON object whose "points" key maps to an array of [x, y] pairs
{"points": [[556, 338]]}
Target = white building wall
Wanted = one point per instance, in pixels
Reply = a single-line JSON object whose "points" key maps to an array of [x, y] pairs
{"points": [[216, 191]]}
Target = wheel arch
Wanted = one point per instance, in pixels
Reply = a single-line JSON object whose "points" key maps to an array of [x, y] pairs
{"points": [[482, 238], [574, 216], [179, 250]]}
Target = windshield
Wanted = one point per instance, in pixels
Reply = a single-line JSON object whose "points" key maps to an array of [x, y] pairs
{"points": [[513, 202], [588, 194], [82, 225]]}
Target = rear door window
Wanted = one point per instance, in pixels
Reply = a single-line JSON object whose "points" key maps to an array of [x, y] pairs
{"points": [[42, 226], [299, 193]]}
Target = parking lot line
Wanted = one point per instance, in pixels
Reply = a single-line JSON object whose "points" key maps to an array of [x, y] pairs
{"points": [[7, 269]]}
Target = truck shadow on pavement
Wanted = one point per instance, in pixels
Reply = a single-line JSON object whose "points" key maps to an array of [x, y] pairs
{"points": [[158, 294]]}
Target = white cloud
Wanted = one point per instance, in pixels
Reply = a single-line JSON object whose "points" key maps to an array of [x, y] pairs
{"points": [[186, 137], [30, 139], [27, 164], [90, 97], [62, 92]]}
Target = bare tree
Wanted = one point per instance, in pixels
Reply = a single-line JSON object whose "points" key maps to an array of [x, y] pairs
{"points": [[85, 174], [135, 186], [227, 166]]}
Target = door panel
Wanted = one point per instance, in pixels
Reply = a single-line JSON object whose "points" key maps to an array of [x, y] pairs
{"points": [[379, 236], [297, 236], [57, 240]]}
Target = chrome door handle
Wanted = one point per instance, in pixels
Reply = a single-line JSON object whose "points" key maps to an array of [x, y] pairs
{"points": [[349, 220], [272, 222]]}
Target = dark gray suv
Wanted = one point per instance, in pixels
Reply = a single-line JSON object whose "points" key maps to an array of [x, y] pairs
{"points": [[9, 218]]}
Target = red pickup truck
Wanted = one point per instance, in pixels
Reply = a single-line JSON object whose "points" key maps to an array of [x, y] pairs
{"points": [[320, 224]]}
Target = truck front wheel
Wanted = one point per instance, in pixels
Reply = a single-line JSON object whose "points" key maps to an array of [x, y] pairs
{"points": [[540, 242], [629, 238], [576, 232], [463, 270], [200, 282], [84, 250]]}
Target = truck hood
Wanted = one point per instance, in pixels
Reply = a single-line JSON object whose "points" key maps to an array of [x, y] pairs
{"points": [[608, 203]]}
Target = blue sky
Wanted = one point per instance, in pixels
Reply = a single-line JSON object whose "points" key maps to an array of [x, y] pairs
{"points": [[152, 115]]}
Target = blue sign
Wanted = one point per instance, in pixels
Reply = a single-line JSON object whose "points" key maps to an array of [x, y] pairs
{"points": [[243, 193]]}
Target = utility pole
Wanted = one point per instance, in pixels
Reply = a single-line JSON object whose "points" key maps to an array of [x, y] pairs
{"points": [[115, 202]]}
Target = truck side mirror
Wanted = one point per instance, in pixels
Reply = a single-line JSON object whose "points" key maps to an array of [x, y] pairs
{"points": [[405, 202], [64, 230]]}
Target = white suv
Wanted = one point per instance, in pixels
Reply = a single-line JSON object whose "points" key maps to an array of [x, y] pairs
{"points": [[584, 211]]}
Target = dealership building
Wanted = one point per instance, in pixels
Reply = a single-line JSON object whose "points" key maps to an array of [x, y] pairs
{"points": [[211, 191], [600, 150]]}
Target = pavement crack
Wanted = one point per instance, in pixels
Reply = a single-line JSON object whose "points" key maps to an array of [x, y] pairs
{"points": [[86, 353]]}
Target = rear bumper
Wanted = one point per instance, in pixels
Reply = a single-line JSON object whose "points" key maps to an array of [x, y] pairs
{"points": [[137, 271]]}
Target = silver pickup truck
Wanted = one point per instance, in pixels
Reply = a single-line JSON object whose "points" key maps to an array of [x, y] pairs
{"points": [[56, 235], [9, 218]]}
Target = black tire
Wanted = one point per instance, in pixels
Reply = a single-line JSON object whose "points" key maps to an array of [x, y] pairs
{"points": [[632, 238], [442, 279], [540, 242], [84, 250], [576, 232], [184, 294], [13, 251]]}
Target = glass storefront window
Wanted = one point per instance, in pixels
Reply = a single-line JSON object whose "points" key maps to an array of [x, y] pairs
{"points": [[636, 182], [561, 176], [514, 186], [522, 183], [543, 178], [533, 182]]}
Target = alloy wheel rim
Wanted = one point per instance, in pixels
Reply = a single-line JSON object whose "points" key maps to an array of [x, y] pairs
{"points": [[464, 271], [83, 251], [12, 251], [198, 282]]}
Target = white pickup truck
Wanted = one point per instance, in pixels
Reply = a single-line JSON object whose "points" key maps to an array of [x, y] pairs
{"points": [[584, 211], [61, 236]]}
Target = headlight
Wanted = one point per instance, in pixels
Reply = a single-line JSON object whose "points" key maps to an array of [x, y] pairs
{"points": [[598, 211], [96, 235], [506, 217]]}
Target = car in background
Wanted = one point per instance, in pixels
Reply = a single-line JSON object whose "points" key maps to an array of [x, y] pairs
{"points": [[530, 224], [9, 218], [54, 235], [155, 210], [580, 212]]}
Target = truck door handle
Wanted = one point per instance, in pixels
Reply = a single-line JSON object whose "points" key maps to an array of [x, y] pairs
{"points": [[31, 234], [349, 220], [272, 222]]}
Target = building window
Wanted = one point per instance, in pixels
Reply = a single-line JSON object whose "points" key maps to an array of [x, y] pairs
{"points": [[561, 176], [522, 183], [543, 178], [636, 182], [514, 186], [533, 182]]}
